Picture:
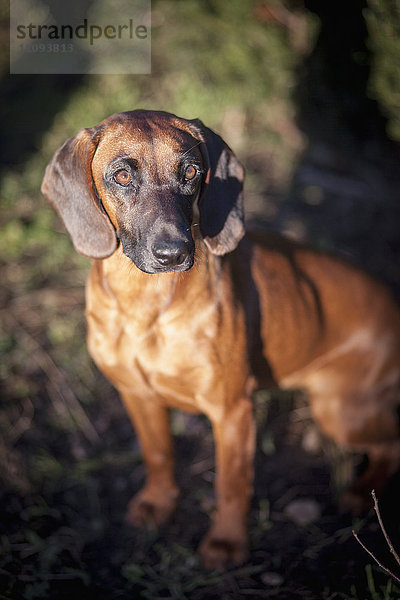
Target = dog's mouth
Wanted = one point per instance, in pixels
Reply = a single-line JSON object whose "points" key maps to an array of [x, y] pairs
{"points": [[154, 268]]}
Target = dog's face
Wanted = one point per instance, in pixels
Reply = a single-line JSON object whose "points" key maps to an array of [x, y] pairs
{"points": [[134, 179], [148, 173]]}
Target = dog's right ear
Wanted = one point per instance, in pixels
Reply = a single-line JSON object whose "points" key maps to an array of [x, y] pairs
{"points": [[69, 185]]}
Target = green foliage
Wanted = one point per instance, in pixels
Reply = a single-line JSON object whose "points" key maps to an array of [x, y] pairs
{"points": [[388, 591], [156, 582], [223, 56], [383, 21]]}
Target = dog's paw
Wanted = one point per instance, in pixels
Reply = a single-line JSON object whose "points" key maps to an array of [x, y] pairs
{"points": [[150, 510], [219, 553]]}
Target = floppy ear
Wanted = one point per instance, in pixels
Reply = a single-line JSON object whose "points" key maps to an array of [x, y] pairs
{"points": [[69, 186], [221, 198]]}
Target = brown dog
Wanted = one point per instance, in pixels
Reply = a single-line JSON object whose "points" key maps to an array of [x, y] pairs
{"points": [[248, 313]]}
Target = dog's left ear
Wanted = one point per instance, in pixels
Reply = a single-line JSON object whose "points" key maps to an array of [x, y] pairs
{"points": [[221, 196]]}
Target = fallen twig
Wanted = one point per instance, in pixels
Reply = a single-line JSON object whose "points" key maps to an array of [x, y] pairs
{"points": [[388, 541], [388, 571]]}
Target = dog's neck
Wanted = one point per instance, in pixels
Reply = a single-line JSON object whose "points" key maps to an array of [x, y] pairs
{"points": [[148, 296]]}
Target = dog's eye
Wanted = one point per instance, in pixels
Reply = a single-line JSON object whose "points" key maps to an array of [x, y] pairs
{"points": [[190, 172], [123, 177]]}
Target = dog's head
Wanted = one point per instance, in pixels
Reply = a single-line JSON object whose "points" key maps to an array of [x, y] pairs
{"points": [[135, 178]]}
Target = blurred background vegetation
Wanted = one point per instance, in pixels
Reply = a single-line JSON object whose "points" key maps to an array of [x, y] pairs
{"points": [[308, 95]]}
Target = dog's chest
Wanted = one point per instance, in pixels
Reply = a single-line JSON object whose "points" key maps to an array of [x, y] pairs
{"points": [[166, 355]]}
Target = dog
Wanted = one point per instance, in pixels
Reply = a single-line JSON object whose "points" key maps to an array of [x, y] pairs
{"points": [[185, 310]]}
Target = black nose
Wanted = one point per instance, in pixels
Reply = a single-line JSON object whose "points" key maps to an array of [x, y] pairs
{"points": [[171, 253]]}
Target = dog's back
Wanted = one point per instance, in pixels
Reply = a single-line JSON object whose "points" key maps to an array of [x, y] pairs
{"points": [[333, 330]]}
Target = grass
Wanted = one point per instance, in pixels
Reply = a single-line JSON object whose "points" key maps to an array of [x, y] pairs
{"points": [[388, 591]]}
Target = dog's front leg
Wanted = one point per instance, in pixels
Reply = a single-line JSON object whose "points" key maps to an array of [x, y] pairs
{"points": [[234, 432], [156, 501]]}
